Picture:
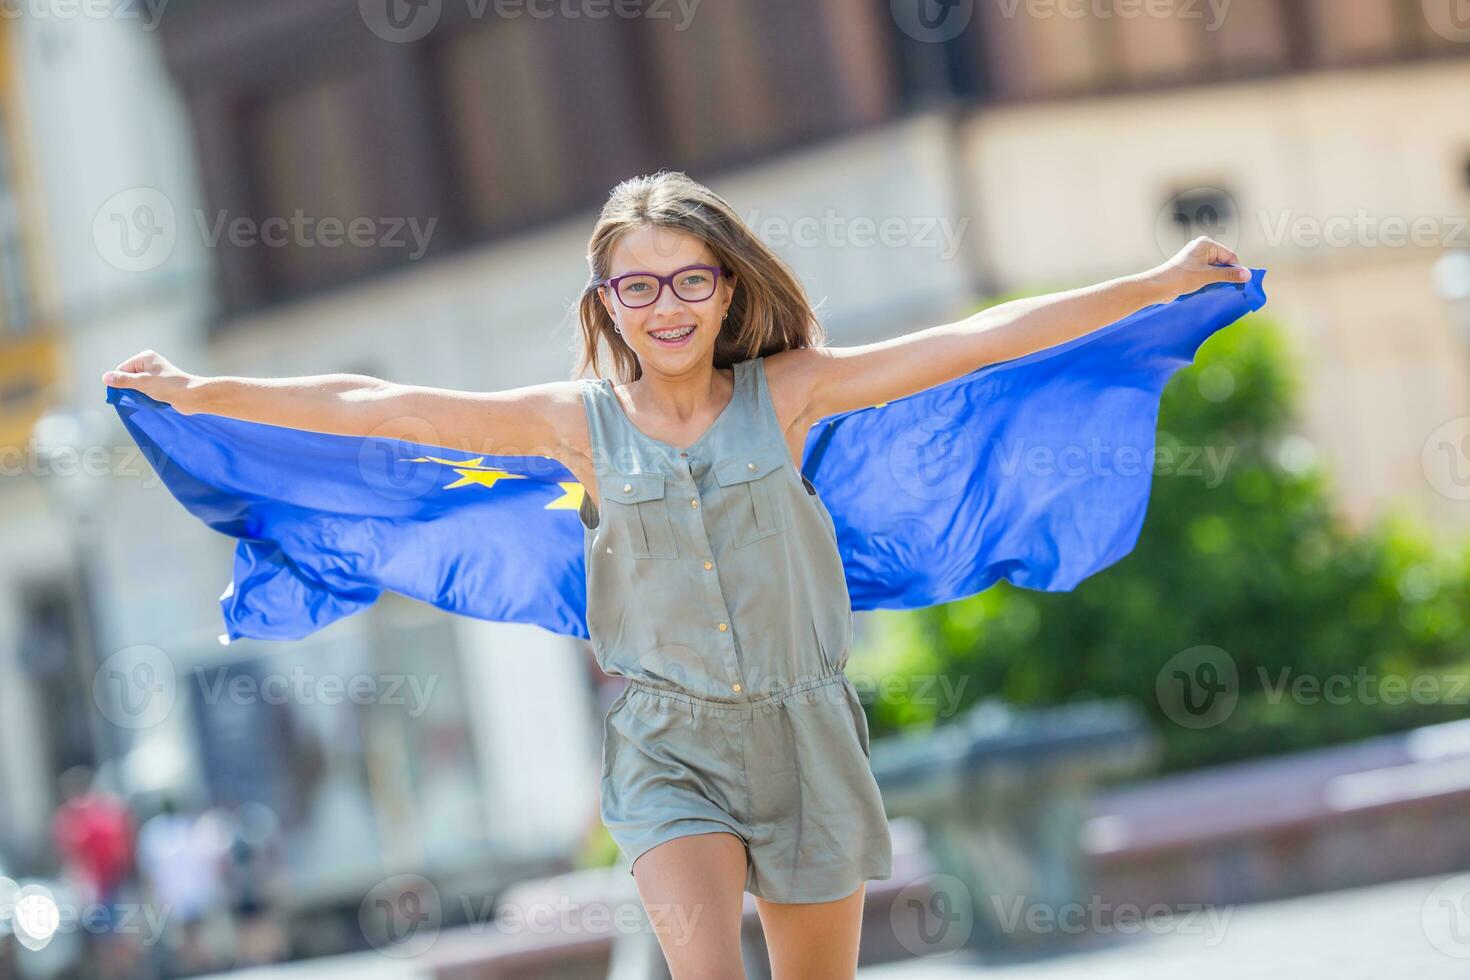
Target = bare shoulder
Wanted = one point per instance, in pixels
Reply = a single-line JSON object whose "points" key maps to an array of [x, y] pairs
{"points": [[790, 376]]}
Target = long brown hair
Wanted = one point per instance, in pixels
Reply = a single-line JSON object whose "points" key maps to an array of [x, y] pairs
{"points": [[769, 311]]}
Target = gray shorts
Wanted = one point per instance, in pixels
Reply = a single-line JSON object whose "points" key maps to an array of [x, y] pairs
{"points": [[788, 773]]}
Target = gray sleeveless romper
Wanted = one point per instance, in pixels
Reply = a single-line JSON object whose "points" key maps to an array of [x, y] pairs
{"points": [[715, 586]]}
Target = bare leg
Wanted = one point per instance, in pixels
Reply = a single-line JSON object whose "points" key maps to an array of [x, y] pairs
{"points": [[813, 941], [694, 888]]}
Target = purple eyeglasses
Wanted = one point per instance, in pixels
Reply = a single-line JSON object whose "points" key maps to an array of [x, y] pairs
{"points": [[639, 289]]}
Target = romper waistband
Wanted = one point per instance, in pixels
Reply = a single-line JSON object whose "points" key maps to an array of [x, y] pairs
{"points": [[781, 695]]}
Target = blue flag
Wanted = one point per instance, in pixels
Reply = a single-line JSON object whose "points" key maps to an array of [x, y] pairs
{"points": [[1036, 470]]}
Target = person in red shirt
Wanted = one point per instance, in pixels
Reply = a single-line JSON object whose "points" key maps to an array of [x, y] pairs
{"points": [[94, 834]]}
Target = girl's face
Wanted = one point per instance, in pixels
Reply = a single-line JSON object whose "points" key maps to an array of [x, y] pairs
{"points": [[664, 251]]}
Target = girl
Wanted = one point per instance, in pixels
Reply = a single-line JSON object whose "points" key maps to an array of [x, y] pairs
{"points": [[736, 757]]}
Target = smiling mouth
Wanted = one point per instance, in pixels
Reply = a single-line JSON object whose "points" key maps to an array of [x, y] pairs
{"points": [[672, 334]]}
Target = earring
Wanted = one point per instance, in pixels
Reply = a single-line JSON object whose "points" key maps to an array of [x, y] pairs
{"points": [[726, 316]]}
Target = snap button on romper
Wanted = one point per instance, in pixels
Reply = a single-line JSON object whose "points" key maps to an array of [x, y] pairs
{"points": [[714, 584]]}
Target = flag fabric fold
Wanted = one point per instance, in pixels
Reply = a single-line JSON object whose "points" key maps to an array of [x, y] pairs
{"points": [[1036, 470], [327, 522]]}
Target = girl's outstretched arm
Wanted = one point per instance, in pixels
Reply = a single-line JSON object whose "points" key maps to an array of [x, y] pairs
{"points": [[840, 379], [532, 420]]}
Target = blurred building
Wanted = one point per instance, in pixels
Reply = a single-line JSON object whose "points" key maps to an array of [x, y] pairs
{"points": [[1324, 139], [468, 752], [307, 186]]}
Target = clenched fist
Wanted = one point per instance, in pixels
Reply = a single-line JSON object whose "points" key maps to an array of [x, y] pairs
{"points": [[152, 374], [1198, 264]]}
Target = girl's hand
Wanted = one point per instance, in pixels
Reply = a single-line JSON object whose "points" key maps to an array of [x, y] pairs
{"points": [[1195, 267], [153, 375]]}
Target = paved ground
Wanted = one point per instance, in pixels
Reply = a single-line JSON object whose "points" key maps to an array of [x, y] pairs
{"points": [[1385, 932], [358, 966]]}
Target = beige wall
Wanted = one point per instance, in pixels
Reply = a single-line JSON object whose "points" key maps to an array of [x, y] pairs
{"points": [[1071, 192]]}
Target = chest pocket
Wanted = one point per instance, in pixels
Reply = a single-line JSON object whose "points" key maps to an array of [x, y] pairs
{"points": [[636, 502], [751, 483]]}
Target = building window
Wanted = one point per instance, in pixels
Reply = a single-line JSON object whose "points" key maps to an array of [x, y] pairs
{"points": [[1152, 48], [715, 94], [1201, 211], [1354, 30], [507, 131], [317, 163], [1041, 56], [864, 73], [54, 654], [1252, 37]]}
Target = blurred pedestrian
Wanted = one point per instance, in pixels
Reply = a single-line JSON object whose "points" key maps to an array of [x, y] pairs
{"points": [[93, 831], [180, 859], [254, 874]]}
